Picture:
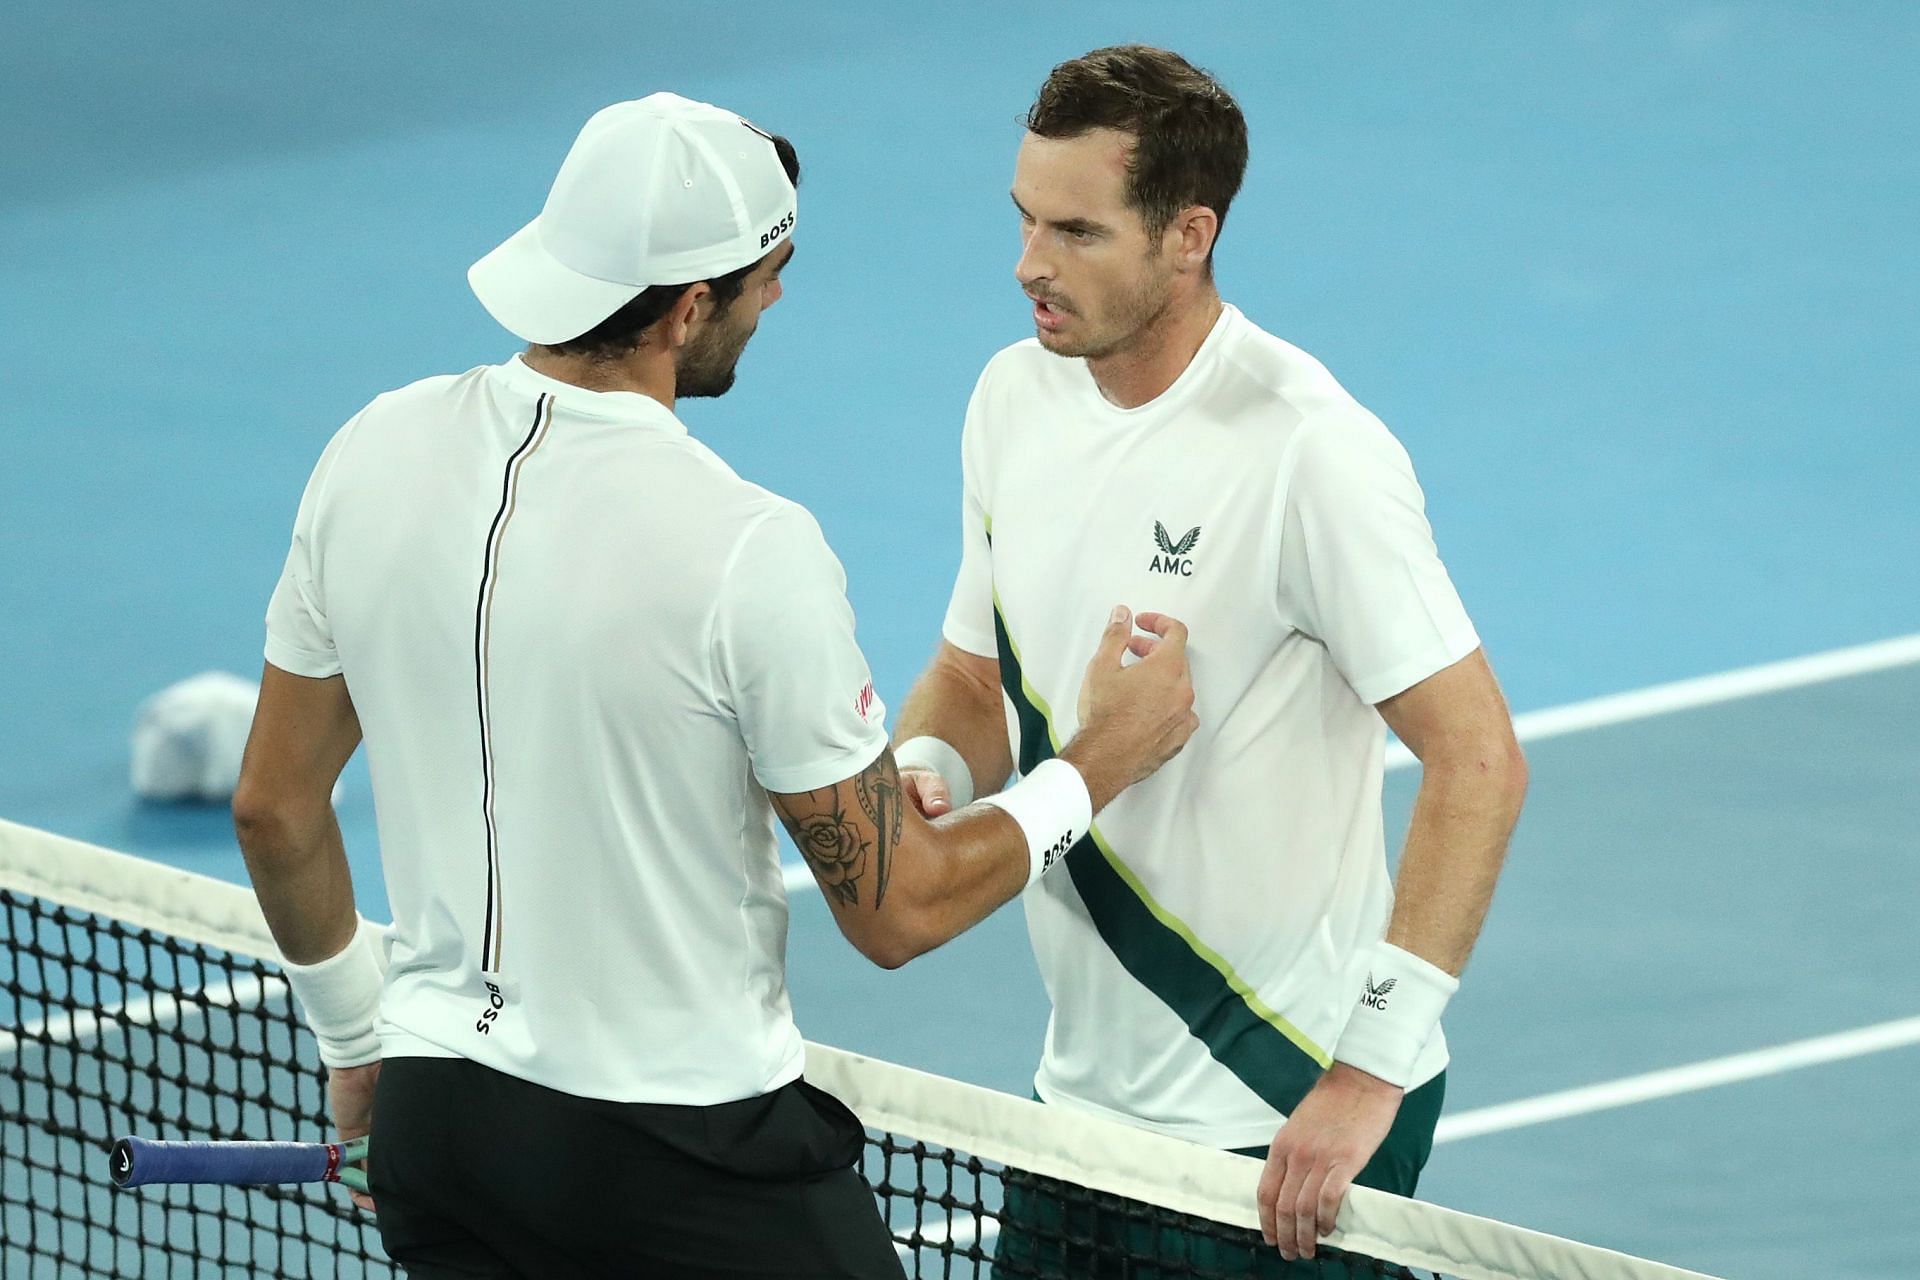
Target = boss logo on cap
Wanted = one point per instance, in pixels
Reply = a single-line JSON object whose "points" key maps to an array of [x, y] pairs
{"points": [[780, 228]]}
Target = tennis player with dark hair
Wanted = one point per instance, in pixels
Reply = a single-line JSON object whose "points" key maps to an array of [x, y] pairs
{"points": [[1227, 957], [590, 663]]}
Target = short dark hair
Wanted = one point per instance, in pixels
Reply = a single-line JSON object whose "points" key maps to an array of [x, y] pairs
{"points": [[622, 331], [1190, 139]]}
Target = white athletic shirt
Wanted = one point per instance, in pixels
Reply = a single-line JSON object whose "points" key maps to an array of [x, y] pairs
{"points": [[1202, 960], [580, 647]]}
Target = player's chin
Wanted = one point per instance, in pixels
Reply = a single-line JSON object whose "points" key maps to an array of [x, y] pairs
{"points": [[1057, 342]]}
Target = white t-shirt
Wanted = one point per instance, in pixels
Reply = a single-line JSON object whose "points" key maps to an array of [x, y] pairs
{"points": [[1201, 951], [580, 647]]}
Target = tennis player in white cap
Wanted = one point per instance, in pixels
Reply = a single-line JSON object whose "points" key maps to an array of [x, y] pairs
{"points": [[590, 663]]}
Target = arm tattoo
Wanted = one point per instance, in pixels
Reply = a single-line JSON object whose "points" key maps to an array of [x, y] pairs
{"points": [[836, 844], [879, 790]]}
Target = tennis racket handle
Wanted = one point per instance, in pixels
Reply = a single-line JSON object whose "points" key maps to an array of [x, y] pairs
{"points": [[138, 1161]]}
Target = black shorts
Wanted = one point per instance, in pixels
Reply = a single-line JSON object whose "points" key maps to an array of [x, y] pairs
{"points": [[477, 1173]]}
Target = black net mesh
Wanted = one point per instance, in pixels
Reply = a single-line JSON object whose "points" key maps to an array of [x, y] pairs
{"points": [[115, 1030], [954, 1214]]}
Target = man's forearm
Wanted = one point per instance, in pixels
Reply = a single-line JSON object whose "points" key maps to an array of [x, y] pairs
{"points": [[957, 702], [300, 875], [960, 878], [1463, 817]]}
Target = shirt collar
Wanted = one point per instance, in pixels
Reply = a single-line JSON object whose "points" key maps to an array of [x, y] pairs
{"points": [[618, 406], [1191, 376]]}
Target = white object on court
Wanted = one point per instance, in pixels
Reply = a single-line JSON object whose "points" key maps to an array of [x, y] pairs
{"points": [[188, 738]]}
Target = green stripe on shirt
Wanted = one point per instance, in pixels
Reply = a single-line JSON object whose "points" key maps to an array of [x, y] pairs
{"points": [[1263, 1049]]}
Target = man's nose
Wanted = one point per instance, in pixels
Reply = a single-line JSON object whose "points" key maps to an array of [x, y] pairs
{"points": [[1032, 265]]}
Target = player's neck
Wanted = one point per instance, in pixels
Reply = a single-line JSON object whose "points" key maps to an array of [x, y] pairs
{"points": [[645, 371], [1160, 353]]}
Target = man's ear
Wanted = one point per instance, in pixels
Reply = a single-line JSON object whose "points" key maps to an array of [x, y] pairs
{"points": [[1193, 231], [681, 316]]}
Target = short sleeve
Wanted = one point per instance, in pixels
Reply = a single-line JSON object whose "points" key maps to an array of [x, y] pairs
{"points": [[788, 663], [299, 639], [1358, 567], [969, 621]]}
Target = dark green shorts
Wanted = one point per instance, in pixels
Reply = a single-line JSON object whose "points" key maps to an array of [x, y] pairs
{"points": [[1055, 1231]]}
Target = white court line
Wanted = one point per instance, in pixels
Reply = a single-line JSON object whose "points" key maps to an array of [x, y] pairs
{"points": [[1655, 700], [1691, 1078], [967, 1230], [1704, 691], [158, 1009]]}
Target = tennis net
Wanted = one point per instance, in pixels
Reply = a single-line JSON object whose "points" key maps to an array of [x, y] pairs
{"points": [[137, 998]]}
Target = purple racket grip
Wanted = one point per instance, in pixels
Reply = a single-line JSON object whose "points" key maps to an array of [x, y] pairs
{"points": [[138, 1161]]}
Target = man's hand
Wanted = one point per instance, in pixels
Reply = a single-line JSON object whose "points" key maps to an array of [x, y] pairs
{"points": [[927, 791], [350, 1099], [1133, 717], [1314, 1158]]}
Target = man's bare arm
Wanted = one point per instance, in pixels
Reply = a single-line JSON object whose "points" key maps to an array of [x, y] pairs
{"points": [[899, 884], [1472, 783], [957, 699], [1473, 780], [304, 731]]}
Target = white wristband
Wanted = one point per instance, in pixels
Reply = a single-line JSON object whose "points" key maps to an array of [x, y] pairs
{"points": [[1395, 1015], [340, 996], [940, 756], [1053, 809]]}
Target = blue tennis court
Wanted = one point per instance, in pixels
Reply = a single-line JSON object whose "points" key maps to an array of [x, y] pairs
{"points": [[1635, 283]]}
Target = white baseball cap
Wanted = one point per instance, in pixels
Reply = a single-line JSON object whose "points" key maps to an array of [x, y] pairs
{"points": [[662, 190]]}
